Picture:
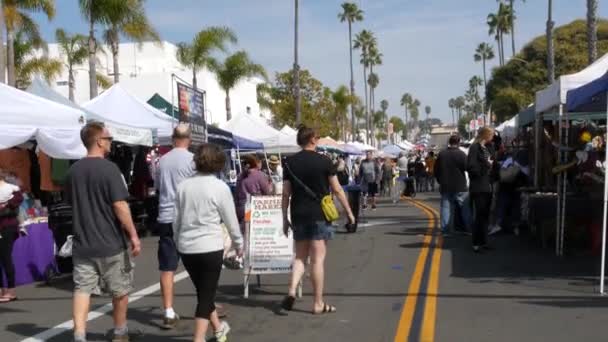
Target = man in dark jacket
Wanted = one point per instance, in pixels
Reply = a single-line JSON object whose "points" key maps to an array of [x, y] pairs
{"points": [[450, 168]]}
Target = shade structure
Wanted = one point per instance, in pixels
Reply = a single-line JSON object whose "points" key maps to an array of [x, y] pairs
{"points": [[288, 130], [253, 128], [220, 137], [56, 127], [393, 150], [119, 106], [122, 133], [350, 149], [406, 145], [590, 97], [361, 146], [246, 144], [508, 129], [556, 94]]}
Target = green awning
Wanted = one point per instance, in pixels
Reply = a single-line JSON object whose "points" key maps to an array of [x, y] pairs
{"points": [[163, 105]]}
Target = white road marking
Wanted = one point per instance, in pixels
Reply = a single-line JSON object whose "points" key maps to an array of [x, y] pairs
{"points": [[380, 223], [69, 325]]}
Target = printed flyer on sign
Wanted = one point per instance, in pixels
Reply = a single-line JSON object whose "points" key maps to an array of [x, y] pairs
{"points": [[270, 251]]}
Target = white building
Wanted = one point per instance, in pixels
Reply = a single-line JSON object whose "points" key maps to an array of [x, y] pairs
{"points": [[147, 68]]}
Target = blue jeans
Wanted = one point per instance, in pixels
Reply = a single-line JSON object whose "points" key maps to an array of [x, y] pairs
{"points": [[449, 201]]}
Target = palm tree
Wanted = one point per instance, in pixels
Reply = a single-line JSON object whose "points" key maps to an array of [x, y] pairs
{"points": [[374, 58], [28, 64], [234, 69], [130, 22], [550, 47], [427, 110], [512, 24], [414, 110], [451, 106], [459, 104], [483, 53], [406, 99], [499, 24], [18, 17], [351, 13], [373, 81], [197, 55], [364, 40], [296, 67], [592, 29], [98, 13], [75, 51], [341, 99]]}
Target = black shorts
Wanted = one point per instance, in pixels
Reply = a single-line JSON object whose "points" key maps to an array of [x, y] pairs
{"points": [[370, 189], [168, 258]]}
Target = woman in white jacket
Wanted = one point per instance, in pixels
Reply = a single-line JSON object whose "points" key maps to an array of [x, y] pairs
{"points": [[203, 203]]}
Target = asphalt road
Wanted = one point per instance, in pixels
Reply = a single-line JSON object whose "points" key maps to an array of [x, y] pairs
{"points": [[394, 280]]}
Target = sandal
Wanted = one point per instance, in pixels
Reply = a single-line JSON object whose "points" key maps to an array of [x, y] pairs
{"points": [[287, 303], [8, 299], [326, 309]]}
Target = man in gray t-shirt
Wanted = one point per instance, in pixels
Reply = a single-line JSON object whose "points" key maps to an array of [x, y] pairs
{"points": [[174, 167], [97, 192]]}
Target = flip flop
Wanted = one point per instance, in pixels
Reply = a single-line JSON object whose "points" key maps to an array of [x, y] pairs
{"points": [[326, 309], [8, 299]]}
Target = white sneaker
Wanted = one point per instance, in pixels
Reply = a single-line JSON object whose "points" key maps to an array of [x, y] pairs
{"points": [[494, 229], [222, 334]]}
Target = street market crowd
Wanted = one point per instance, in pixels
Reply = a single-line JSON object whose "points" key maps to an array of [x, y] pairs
{"points": [[202, 221]]}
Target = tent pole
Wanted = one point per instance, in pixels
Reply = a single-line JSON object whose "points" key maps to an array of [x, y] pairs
{"points": [[603, 269], [559, 183], [564, 183]]}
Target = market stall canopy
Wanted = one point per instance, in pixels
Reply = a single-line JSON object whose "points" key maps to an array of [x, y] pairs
{"points": [[54, 126], [361, 146], [393, 150], [350, 149], [220, 137], [508, 129], [249, 127], [590, 97], [406, 145], [245, 144], [129, 135], [163, 105], [556, 93], [116, 105], [527, 116], [288, 130]]}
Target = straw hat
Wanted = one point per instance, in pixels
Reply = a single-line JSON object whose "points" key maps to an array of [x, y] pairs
{"points": [[274, 160]]}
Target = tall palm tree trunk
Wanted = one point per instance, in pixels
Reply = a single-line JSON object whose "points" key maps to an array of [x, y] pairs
{"points": [[296, 68], [483, 62], [367, 125], [228, 106], [115, 66], [71, 83], [352, 79], [2, 51], [453, 122], [550, 48], [194, 80], [512, 27], [405, 126], [592, 30], [10, 54], [92, 59]]}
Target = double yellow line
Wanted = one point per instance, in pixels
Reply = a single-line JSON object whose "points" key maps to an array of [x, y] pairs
{"points": [[427, 331]]}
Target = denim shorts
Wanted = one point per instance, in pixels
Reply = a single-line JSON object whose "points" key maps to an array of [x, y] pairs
{"points": [[115, 273], [168, 258], [319, 230]]}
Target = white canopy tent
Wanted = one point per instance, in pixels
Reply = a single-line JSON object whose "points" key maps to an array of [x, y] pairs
{"points": [[54, 126], [508, 129], [556, 94], [122, 133], [252, 128], [288, 130], [406, 145], [362, 146], [129, 117]]}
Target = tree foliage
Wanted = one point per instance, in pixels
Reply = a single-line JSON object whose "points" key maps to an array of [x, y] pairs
{"points": [[513, 86]]}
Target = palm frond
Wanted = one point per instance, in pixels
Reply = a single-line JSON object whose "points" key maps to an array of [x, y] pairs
{"points": [[103, 81], [48, 68]]}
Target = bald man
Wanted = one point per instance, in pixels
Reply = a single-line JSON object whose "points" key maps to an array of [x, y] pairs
{"points": [[174, 167]]}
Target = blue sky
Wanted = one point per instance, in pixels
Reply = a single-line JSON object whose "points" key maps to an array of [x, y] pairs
{"points": [[428, 45]]}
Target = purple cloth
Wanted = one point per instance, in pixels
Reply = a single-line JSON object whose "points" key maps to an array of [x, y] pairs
{"points": [[255, 183], [33, 254]]}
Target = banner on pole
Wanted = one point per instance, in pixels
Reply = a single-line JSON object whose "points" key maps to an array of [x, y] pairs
{"points": [[191, 105]]}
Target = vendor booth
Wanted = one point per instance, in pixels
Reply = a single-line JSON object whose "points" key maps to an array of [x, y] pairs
{"points": [[35, 123], [252, 128]]}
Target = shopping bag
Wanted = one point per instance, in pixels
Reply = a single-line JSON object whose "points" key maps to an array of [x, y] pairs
{"points": [[66, 249]]}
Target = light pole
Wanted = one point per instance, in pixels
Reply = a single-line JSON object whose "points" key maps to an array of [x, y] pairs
{"points": [[296, 70]]}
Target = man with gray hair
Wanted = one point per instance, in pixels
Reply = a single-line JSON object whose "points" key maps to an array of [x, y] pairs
{"points": [[174, 167]]}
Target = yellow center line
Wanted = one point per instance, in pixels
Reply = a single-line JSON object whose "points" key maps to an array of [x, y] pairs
{"points": [[409, 307]]}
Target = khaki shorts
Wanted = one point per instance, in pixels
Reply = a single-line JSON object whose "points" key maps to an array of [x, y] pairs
{"points": [[114, 274]]}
